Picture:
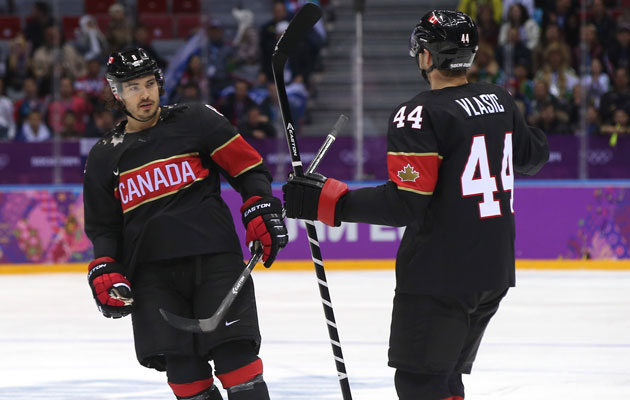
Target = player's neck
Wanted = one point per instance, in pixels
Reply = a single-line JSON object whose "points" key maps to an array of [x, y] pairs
{"points": [[439, 81], [134, 125]]}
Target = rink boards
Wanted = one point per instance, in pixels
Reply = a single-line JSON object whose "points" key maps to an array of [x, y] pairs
{"points": [[559, 225]]}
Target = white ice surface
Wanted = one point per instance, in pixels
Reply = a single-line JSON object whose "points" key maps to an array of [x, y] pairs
{"points": [[558, 335]]}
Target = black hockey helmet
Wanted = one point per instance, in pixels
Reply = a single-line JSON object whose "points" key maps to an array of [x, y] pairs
{"points": [[450, 36], [130, 64]]}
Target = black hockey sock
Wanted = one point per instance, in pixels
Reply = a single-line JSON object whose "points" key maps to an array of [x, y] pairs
{"points": [[410, 386]]}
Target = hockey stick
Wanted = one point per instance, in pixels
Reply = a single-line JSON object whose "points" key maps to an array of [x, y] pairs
{"points": [[299, 26], [210, 324]]}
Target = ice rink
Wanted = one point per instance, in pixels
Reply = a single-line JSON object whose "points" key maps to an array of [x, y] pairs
{"points": [[558, 335]]}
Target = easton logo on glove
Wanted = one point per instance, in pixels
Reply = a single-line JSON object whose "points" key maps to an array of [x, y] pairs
{"points": [[255, 208], [110, 289], [262, 217]]}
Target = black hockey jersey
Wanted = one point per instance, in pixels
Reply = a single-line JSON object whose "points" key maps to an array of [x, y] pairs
{"points": [[155, 194], [452, 154]]}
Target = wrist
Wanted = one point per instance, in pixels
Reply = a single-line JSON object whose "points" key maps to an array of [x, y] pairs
{"points": [[332, 191]]}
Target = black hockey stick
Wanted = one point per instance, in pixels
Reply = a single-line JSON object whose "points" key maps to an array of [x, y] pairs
{"points": [[299, 26], [210, 324]]}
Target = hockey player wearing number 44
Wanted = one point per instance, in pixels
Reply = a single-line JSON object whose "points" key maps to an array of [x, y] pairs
{"points": [[164, 238], [452, 154]]}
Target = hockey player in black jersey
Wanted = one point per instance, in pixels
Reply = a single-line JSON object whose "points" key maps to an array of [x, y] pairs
{"points": [[164, 238], [452, 155]]}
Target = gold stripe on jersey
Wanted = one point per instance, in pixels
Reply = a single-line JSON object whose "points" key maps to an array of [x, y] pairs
{"points": [[400, 153], [414, 191], [194, 154], [248, 168], [225, 144]]}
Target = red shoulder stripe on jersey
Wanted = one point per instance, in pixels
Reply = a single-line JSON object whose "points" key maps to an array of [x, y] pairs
{"points": [[236, 156], [191, 388], [241, 375], [415, 172]]}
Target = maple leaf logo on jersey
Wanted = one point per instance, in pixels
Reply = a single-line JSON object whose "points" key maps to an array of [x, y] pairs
{"points": [[408, 174]]}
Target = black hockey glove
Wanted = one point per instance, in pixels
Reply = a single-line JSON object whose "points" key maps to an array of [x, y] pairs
{"points": [[110, 288], [262, 217], [313, 197]]}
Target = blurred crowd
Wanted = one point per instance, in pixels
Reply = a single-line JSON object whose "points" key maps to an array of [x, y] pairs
{"points": [[53, 84], [560, 61]]}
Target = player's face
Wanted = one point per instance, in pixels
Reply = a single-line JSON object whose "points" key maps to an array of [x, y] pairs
{"points": [[142, 97]]}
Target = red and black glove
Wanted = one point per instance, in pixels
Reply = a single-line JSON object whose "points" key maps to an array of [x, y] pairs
{"points": [[262, 217], [110, 288], [313, 197]]}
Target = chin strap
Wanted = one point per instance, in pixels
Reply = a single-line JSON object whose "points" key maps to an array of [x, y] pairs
{"points": [[425, 72]]}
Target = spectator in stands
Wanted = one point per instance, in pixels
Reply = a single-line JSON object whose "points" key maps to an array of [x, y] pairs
{"points": [[592, 121], [101, 123], [521, 87], [564, 14], [30, 101], [7, 123], [619, 97], [142, 38], [487, 25], [195, 75], [56, 58], [513, 51], [256, 125], [597, 82], [592, 46], [19, 65], [235, 105], [507, 4], [91, 85], [69, 124], [36, 23], [67, 101], [551, 122], [270, 107], [190, 93], [603, 22], [552, 34], [619, 126], [34, 129], [119, 32], [89, 40], [618, 51], [557, 72], [246, 44], [268, 37], [485, 67], [541, 97], [220, 59], [519, 18], [472, 7]]}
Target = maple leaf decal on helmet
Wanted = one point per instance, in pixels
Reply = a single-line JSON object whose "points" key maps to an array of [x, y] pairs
{"points": [[408, 174]]}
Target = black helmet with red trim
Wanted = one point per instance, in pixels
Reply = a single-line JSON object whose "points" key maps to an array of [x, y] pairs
{"points": [[130, 64], [450, 36]]}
